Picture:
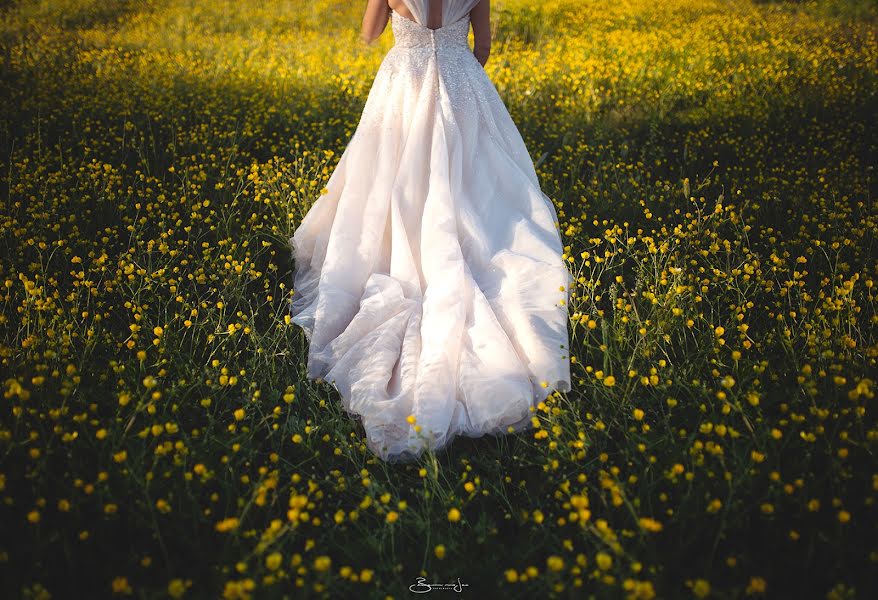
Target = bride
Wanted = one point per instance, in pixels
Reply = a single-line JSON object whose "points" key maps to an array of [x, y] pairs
{"points": [[428, 278]]}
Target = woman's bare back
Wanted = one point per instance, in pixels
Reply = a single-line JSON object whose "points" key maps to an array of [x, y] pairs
{"points": [[434, 18], [378, 13]]}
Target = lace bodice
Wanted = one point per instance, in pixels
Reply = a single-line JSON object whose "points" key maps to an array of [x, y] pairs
{"points": [[409, 34]]}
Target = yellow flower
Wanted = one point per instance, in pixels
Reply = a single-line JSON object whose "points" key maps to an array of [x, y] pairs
{"points": [[650, 524], [176, 588], [120, 586], [555, 563], [392, 516], [439, 551], [322, 563], [454, 515], [757, 585], [701, 588], [273, 560], [226, 524], [603, 560], [609, 381]]}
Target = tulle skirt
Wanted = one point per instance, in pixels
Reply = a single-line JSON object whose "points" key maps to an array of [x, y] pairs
{"points": [[429, 278]]}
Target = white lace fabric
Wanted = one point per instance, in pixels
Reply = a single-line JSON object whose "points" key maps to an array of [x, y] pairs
{"points": [[429, 279]]}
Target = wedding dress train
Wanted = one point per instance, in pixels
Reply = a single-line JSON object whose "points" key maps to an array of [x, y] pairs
{"points": [[429, 279]]}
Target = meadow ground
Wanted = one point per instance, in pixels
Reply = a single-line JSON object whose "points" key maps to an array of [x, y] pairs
{"points": [[713, 166]]}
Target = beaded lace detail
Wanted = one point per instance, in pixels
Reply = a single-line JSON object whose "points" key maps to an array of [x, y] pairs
{"points": [[440, 59]]}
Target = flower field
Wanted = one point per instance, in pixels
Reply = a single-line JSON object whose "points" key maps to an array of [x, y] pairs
{"points": [[713, 165]]}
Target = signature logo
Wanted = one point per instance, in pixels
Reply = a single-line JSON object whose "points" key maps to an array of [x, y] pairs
{"points": [[420, 587]]}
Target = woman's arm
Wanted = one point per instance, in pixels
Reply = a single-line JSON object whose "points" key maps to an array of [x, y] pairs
{"points": [[480, 18], [374, 20]]}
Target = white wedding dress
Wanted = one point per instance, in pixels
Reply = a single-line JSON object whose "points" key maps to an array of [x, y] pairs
{"points": [[429, 279]]}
